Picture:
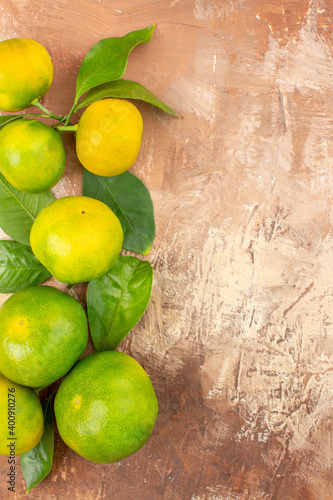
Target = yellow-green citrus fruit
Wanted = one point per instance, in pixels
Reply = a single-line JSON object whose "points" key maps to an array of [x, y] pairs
{"points": [[77, 238], [21, 418], [32, 155], [26, 73], [106, 407], [109, 136], [43, 333]]}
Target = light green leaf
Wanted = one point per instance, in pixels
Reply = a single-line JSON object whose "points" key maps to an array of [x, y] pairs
{"points": [[126, 89], [19, 268], [117, 301], [107, 60]]}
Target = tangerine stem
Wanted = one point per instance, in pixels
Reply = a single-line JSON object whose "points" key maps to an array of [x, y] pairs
{"points": [[36, 114], [67, 128], [72, 110], [48, 113]]}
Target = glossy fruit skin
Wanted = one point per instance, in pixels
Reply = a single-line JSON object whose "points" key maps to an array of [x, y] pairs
{"points": [[32, 155], [43, 333], [109, 136], [76, 238], [106, 407], [26, 73], [20, 406]]}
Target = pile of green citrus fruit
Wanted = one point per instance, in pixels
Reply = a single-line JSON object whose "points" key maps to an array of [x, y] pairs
{"points": [[105, 405]]}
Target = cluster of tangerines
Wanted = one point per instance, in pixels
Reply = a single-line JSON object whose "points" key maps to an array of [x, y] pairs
{"points": [[105, 406]]}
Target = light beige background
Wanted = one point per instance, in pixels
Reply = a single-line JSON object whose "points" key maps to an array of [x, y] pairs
{"points": [[237, 337]]}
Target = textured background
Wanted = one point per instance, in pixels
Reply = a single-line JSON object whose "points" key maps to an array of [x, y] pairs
{"points": [[237, 338]]}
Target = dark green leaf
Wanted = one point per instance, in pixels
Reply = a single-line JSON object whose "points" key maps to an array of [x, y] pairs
{"points": [[125, 89], [130, 200], [18, 210], [19, 267], [37, 463], [107, 60], [117, 301]]}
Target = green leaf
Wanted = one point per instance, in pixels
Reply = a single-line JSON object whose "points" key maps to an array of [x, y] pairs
{"points": [[19, 267], [130, 200], [117, 301], [18, 211], [37, 463], [125, 89], [107, 60]]}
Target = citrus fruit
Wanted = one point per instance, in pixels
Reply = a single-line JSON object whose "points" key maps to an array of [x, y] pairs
{"points": [[106, 407], [21, 418], [109, 136], [43, 333], [76, 238], [26, 73], [32, 155]]}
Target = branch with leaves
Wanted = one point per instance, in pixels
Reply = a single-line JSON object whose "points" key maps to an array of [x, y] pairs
{"points": [[117, 300]]}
